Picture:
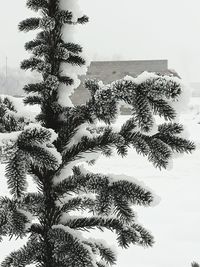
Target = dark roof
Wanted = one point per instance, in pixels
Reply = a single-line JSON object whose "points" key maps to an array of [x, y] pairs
{"points": [[108, 71]]}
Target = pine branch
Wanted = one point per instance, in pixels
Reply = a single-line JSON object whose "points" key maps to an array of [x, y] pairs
{"points": [[170, 128], [37, 4], [28, 254], [104, 252], [33, 100], [131, 192], [160, 87], [142, 112], [123, 211], [134, 234], [162, 108], [13, 222], [66, 246], [77, 203], [29, 24], [64, 16], [84, 19], [34, 136], [103, 143], [16, 174], [42, 158], [33, 203], [73, 48], [29, 46], [31, 63], [75, 60], [177, 144], [66, 80], [34, 88]]}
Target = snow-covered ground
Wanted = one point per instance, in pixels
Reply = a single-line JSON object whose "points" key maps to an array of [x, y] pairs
{"points": [[175, 221]]}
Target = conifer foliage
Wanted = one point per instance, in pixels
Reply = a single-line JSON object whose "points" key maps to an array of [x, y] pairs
{"points": [[63, 136]]}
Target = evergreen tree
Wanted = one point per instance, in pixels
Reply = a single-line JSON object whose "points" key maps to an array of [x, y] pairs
{"points": [[194, 264], [51, 150]]}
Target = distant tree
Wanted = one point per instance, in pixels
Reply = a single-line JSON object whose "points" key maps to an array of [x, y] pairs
{"points": [[64, 136]]}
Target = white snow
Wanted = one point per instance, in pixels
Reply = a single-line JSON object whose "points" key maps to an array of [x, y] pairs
{"points": [[48, 146], [68, 170], [64, 92], [81, 132], [72, 71], [6, 138], [142, 77], [38, 126], [26, 111]]}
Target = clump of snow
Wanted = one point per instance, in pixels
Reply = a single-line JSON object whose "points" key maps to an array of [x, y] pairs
{"points": [[64, 173], [48, 145], [67, 229], [85, 158], [142, 77], [65, 91], [6, 138], [82, 131], [38, 126], [72, 71]]}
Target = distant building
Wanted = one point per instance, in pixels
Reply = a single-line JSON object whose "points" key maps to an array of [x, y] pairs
{"points": [[108, 71]]}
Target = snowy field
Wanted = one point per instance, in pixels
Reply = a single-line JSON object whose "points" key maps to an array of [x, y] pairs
{"points": [[175, 221]]}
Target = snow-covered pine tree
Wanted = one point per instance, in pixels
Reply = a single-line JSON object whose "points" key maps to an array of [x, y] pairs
{"points": [[51, 150], [194, 264]]}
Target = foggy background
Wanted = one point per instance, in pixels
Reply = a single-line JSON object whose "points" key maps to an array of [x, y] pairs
{"points": [[121, 30]]}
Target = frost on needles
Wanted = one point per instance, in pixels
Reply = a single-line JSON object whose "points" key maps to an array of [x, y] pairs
{"points": [[63, 136]]}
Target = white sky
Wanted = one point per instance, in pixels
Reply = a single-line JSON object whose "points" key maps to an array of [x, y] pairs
{"points": [[129, 29]]}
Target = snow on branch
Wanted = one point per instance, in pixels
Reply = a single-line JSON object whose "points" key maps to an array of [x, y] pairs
{"points": [[77, 63]]}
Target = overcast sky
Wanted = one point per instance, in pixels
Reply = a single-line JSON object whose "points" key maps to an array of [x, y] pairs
{"points": [[128, 29]]}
